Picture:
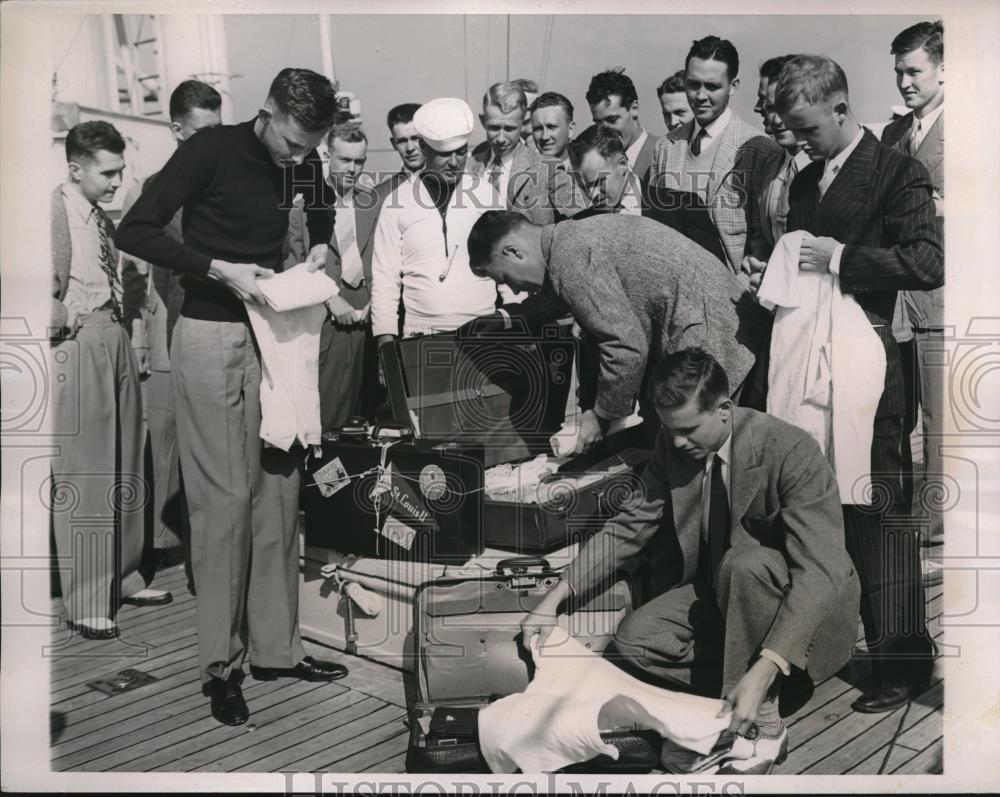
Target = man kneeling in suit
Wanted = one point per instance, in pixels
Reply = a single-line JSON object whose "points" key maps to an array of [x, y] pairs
{"points": [[755, 579]]}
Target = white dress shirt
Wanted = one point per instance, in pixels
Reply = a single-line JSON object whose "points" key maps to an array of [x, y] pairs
{"points": [[88, 287], [713, 131], [424, 257], [633, 151]]}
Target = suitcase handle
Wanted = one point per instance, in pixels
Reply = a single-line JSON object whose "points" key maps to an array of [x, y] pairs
{"points": [[520, 564]]}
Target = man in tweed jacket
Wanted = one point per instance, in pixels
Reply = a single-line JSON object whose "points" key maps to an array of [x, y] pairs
{"points": [[717, 155], [870, 214], [640, 288]]}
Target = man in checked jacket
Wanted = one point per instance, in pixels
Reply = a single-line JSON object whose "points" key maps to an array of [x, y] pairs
{"points": [[717, 155], [870, 214]]}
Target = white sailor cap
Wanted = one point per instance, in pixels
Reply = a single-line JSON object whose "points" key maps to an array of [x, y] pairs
{"points": [[445, 123]]}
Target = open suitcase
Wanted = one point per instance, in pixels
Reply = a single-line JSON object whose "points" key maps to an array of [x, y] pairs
{"points": [[467, 643], [509, 395]]}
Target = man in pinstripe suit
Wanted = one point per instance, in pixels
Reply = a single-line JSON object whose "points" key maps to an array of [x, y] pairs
{"points": [[717, 155], [870, 214]]}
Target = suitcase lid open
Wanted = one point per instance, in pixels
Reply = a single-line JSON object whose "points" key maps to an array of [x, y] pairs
{"points": [[472, 389]]}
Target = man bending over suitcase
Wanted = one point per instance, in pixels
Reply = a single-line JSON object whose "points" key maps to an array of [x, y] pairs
{"points": [[757, 580]]}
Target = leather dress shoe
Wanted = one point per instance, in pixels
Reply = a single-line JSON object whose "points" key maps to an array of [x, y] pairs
{"points": [[228, 705], [881, 699], [756, 754], [309, 669], [105, 630], [149, 597]]}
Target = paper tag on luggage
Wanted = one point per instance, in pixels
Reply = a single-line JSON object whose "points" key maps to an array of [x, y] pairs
{"points": [[398, 532], [331, 478]]}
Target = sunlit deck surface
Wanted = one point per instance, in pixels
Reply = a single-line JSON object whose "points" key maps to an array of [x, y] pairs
{"points": [[358, 724]]}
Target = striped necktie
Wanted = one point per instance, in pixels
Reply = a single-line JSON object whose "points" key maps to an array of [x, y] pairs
{"points": [[108, 264], [916, 136]]}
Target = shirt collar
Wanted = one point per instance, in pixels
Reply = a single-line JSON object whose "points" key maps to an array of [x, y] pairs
{"points": [[928, 121], [77, 202], [714, 130], [507, 159], [802, 159], [633, 151], [723, 453], [834, 164]]}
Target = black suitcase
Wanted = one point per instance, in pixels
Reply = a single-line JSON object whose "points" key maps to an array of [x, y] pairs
{"points": [[570, 505], [428, 508], [467, 643]]}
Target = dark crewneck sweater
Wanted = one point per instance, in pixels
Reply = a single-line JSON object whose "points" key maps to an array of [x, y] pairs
{"points": [[235, 204]]}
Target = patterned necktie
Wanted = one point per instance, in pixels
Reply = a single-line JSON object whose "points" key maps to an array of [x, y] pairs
{"points": [[351, 266], [916, 136], [108, 264], [494, 177], [780, 219], [698, 139]]}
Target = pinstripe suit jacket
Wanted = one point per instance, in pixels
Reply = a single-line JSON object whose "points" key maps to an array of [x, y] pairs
{"points": [[528, 186], [880, 206], [743, 160], [923, 308]]}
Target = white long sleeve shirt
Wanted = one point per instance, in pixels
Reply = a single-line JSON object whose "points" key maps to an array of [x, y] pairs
{"points": [[423, 257]]}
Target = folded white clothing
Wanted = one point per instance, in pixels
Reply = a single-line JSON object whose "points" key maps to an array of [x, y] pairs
{"points": [[563, 442], [296, 288], [575, 694]]}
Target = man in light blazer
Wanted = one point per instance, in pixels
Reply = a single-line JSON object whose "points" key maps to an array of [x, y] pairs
{"points": [[639, 287], [717, 155], [519, 174], [348, 372], [741, 512], [870, 216], [919, 63]]}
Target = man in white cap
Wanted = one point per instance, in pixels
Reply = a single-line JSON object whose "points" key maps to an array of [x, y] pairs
{"points": [[420, 253]]}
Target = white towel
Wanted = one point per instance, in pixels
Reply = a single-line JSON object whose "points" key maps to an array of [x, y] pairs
{"points": [[287, 330], [576, 694], [827, 368]]}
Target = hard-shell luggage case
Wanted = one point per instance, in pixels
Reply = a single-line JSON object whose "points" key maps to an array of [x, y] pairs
{"points": [[571, 505], [468, 653], [416, 501]]}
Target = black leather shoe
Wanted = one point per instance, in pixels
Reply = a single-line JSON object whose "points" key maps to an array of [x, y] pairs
{"points": [[888, 698], [149, 597], [309, 669], [228, 705], [90, 632]]}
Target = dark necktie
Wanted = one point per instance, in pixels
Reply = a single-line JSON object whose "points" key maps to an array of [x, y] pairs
{"points": [[696, 144], [108, 261], [718, 515]]}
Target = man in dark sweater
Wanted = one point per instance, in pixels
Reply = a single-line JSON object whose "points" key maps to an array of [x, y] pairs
{"points": [[236, 184]]}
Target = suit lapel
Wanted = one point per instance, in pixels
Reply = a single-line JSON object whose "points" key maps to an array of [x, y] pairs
{"points": [[931, 149], [746, 474], [519, 176], [686, 476], [726, 153], [645, 157], [847, 193]]}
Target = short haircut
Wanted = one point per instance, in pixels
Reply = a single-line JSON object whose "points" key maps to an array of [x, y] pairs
{"points": [[348, 133], [607, 142], [551, 99], [926, 35], [487, 232], [526, 85], [401, 114], [672, 85], [712, 48], [508, 97], [771, 68], [308, 97], [686, 373], [191, 94], [86, 139], [815, 78], [610, 83]]}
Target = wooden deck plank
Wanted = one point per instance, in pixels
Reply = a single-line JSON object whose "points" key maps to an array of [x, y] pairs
{"points": [[320, 735], [279, 737], [874, 734], [335, 759], [927, 762], [368, 760], [842, 733], [345, 740], [145, 731], [393, 766], [928, 730], [364, 675], [877, 760]]}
